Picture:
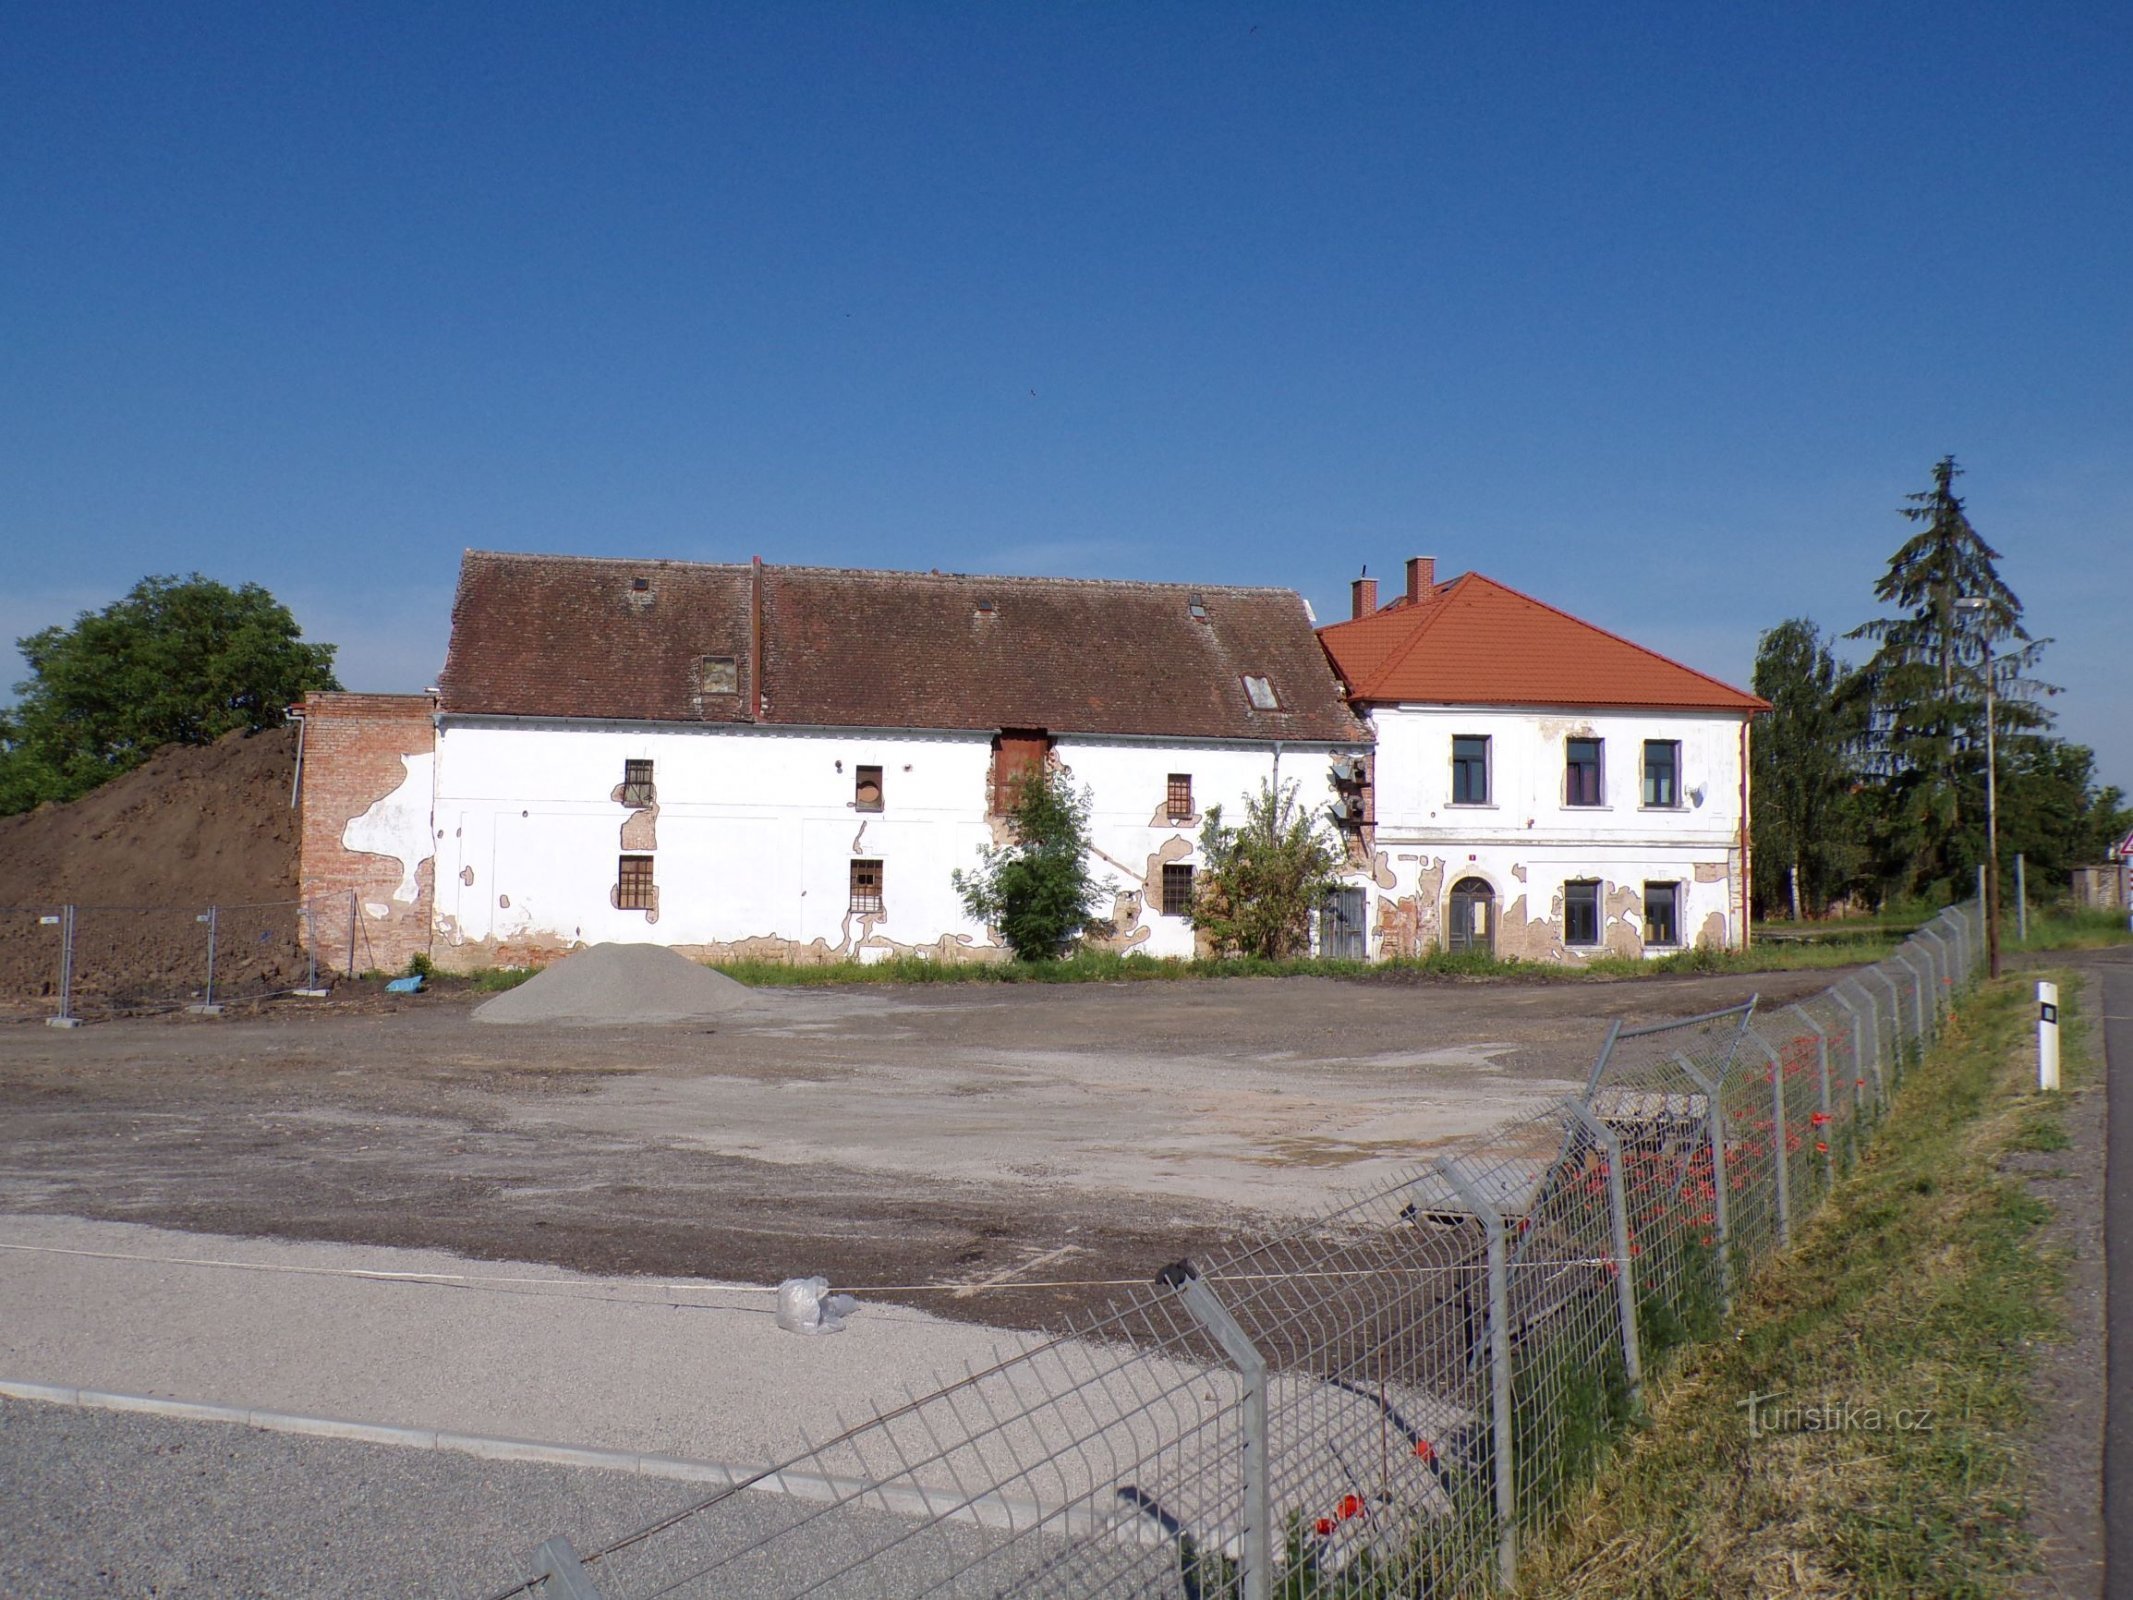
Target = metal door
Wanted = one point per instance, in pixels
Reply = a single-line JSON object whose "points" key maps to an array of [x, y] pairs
{"points": [[1473, 919], [1340, 926]]}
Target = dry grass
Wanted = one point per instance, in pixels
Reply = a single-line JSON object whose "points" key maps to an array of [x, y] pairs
{"points": [[1919, 1288]]}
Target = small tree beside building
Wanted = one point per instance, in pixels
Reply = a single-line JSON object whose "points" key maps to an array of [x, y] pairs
{"points": [[1037, 889], [1259, 882]]}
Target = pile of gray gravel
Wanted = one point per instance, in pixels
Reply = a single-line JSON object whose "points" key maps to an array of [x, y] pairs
{"points": [[609, 984]]}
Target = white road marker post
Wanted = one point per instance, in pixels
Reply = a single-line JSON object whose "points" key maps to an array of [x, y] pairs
{"points": [[2048, 1037]]}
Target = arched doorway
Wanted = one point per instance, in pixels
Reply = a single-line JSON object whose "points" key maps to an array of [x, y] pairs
{"points": [[1473, 919]]}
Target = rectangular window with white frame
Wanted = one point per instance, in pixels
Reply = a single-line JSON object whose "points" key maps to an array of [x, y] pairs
{"points": [[1581, 773], [1470, 769], [1581, 913], [1662, 914], [1662, 774]]}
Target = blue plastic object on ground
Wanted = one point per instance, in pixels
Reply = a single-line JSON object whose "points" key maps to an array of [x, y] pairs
{"points": [[412, 985]]}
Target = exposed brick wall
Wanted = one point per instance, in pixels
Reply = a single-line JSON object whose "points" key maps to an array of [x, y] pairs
{"points": [[353, 751]]}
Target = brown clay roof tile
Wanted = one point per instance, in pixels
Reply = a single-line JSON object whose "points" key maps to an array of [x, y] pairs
{"points": [[560, 636]]}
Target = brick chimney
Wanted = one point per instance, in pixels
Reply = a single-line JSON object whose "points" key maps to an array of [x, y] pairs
{"points": [[1421, 577], [1363, 594]]}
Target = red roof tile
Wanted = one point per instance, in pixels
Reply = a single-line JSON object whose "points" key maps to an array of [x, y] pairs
{"points": [[562, 636], [1474, 641]]}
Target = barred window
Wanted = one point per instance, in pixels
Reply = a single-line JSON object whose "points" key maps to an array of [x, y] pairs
{"points": [[866, 887], [1179, 803], [1177, 890], [637, 783], [633, 883]]}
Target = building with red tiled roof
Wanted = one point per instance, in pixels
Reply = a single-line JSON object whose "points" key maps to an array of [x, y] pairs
{"points": [[1541, 787]]}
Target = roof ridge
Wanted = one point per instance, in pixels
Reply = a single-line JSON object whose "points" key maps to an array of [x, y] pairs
{"points": [[905, 573]]}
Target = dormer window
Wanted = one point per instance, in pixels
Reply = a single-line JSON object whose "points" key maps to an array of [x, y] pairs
{"points": [[1261, 694], [1196, 608]]}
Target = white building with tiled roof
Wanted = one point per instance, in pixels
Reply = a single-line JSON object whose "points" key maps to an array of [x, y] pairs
{"points": [[1541, 788], [791, 762]]}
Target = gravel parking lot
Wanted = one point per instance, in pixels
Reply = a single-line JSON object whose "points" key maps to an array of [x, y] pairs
{"points": [[1010, 1135]]}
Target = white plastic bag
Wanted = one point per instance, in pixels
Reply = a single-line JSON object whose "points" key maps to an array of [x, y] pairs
{"points": [[805, 1305]]}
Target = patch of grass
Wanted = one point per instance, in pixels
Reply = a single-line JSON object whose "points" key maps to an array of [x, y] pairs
{"points": [[1919, 1290], [494, 980], [1102, 966], [2066, 930]]}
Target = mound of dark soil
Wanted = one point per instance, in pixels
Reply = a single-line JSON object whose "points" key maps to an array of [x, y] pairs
{"points": [[196, 826]]}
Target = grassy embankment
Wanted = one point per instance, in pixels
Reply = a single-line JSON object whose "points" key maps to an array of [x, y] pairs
{"points": [[1920, 1288]]}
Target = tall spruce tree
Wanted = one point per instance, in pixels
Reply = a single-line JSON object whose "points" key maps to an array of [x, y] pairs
{"points": [[1925, 690]]}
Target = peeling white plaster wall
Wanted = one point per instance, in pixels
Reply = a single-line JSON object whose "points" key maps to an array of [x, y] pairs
{"points": [[398, 825], [757, 830], [1525, 841]]}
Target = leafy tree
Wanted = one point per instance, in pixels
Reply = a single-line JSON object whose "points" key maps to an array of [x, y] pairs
{"points": [[1259, 883], [1037, 889], [1806, 823], [1925, 689], [177, 661]]}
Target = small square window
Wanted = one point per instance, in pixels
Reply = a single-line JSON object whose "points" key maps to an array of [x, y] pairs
{"points": [[1470, 770], [1260, 692], [1581, 913], [1662, 773], [1662, 913], [866, 886], [637, 788], [866, 789], [718, 675], [1177, 890], [1177, 804], [1581, 772], [633, 883]]}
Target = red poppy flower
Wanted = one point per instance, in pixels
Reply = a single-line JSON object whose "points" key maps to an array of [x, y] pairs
{"points": [[1351, 1506]]}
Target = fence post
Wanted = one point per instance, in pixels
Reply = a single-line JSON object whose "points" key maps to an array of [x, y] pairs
{"points": [[1959, 931], [310, 946], [351, 933], [65, 923], [1859, 1056], [1944, 949], [1780, 1162], [1917, 965], [1599, 1064], [1256, 1544], [558, 1563], [1829, 1121], [1715, 1120], [1895, 1020], [1499, 1368], [1618, 1219], [207, 1006], [2021, 900]]}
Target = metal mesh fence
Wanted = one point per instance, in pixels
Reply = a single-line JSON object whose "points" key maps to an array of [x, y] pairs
{"points": [[76, 963], [1383, 1402]]}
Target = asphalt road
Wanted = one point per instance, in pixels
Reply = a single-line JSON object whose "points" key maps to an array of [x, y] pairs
{"points": [[2117, 981]]}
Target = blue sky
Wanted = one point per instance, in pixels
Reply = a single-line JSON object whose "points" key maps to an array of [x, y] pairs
{"points": [[1656, 312]]}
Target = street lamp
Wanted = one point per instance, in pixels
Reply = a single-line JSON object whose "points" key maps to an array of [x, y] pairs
{"points": [[1976, 606]]}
